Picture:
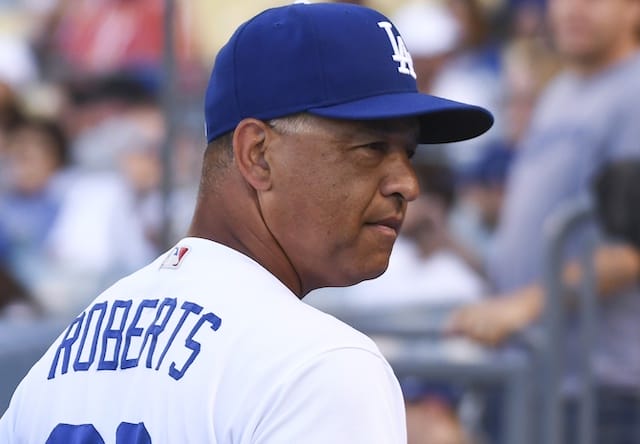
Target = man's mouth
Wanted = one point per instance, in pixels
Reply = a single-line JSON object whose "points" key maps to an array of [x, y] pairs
{"points": [[391, 225]]}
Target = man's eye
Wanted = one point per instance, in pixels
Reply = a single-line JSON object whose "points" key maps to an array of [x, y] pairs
{"points": [[377, 146], [384, 147]]}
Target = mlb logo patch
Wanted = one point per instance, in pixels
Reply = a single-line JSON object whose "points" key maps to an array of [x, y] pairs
{"points": [[175, 257]]}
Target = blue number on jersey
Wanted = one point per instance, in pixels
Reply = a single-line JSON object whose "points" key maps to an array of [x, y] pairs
{"points": [[127, 433]]}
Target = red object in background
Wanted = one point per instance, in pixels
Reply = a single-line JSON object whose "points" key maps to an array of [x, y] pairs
{"points": [[106, 35]]}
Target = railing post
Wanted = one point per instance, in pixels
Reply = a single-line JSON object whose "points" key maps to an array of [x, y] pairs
{"points": [[558, 228]]}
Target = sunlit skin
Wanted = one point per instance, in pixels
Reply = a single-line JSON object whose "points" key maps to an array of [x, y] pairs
{"points": [[318, 207]]}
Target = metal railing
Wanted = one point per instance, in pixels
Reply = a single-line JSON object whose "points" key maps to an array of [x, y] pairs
{"points": [[558, 230], [412, 340]]}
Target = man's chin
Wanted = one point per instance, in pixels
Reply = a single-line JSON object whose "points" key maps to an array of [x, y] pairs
{"points": [[372, 273]]}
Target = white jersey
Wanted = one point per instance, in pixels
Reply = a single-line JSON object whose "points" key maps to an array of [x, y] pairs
{"points": [[205, 346]]}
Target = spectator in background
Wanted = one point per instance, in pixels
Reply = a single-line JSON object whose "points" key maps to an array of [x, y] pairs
{"points": [[140, 164], [96, 108], [111, 195], [472, 72], [454, 56], [64, 222], [586, 118], [120, 129], [97, 238], [15, 301], [481, 192], [108, 116], [528, 63], [36, 158], [431, 33], [525, 20]]}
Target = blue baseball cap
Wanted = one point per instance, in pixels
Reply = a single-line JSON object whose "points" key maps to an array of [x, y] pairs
{"points": [[332, 60]]}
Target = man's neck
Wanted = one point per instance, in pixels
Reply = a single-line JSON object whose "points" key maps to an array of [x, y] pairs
{"points": [[232, 220]]}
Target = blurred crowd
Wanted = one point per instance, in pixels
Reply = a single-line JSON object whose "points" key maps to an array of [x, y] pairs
{"points": [[82, 131], [83, 125], [86, 197]]}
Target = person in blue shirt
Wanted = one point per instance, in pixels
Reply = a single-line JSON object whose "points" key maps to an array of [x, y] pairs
{"points": [[586, 118]]}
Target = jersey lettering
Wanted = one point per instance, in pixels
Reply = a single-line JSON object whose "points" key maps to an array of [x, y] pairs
{"points": [[194, 345], [122, 339], [65, 347], [400, 52], [115, 334], [189, 308], [155, 329], [135, 331], [126, 433], [84, 365]]}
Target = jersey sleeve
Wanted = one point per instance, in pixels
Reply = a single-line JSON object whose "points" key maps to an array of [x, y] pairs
{"points": [[349, 395]]}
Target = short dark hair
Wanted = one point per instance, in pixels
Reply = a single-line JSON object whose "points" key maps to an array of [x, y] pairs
{"points": [[221, 148], [217, 158]]}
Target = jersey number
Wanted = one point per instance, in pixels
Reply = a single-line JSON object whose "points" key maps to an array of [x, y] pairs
{"points": [[126, 433]]}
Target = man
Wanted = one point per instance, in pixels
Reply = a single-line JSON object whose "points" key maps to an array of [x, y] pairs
{"points": [[312, 114], [586, 118]]}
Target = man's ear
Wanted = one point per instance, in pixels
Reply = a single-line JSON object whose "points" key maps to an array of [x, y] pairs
{"points": [[249, 149]]}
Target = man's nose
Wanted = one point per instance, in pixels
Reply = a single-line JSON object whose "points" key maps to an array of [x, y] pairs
{"points": [[401, 177]]}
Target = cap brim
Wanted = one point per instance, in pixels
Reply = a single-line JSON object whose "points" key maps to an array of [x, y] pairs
{"points": [[441, 120]]}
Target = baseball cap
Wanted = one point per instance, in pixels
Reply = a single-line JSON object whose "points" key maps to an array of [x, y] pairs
{"points": [[333, 60]]}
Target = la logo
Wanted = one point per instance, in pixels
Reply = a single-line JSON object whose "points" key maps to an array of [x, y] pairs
{"points": [[400, 53]]}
